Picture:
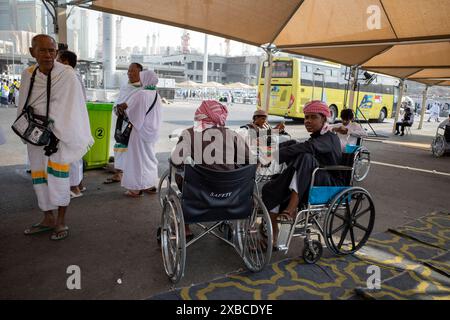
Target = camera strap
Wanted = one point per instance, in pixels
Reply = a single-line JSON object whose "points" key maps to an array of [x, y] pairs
{"points": [[49, 85]]}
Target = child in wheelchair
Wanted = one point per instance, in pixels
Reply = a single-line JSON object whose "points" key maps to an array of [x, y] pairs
{"points": [[287, 191]]}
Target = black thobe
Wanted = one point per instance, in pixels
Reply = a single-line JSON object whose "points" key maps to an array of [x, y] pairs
{"points": [[304, 157]]}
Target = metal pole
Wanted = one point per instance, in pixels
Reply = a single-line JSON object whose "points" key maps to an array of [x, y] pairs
{"points": [[13, 58], [62, 24], [424, 107], [399, 102], [205, 61], [268, 65], [352, 85]]}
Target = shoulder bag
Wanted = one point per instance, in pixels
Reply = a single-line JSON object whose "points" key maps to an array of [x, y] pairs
{"points": [[124, 126]]}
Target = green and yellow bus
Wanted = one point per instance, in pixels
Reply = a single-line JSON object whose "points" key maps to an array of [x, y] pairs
{"points": [[297, 81]]}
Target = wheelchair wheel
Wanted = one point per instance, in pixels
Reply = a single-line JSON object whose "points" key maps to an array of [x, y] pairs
{"points": [[255, 237], [163, 187], [362, 165], [312, 255], [173, 242], [438, 146], [349, 221]]}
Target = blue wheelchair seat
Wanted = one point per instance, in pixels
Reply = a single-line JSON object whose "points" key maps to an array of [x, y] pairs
{"points": [[351, 148], [324, 194]]}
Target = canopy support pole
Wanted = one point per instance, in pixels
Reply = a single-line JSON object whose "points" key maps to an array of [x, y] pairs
{"points": [[205, 61], [59, 16], [353, 83], [399, 102], [424, 107], [268, 65]]}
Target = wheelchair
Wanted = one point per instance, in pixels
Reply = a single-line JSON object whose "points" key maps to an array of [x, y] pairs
{"points": [[343, 216], [224, 199], [362, 159], [441, 142]]}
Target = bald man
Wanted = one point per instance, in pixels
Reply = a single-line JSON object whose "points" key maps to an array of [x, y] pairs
{"points": [[69, 124]]}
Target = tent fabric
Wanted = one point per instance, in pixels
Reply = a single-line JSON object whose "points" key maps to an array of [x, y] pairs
{"points": [[187, 84], [375, 34]]}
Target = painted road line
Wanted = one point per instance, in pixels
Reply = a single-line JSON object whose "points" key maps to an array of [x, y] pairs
{"points": [[410, 168]]}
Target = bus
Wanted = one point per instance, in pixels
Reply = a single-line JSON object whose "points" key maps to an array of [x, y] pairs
{"points": [[297, 81]]}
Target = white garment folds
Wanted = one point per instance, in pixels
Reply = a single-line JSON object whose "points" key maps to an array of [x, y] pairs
{"points": [[125, 93]]}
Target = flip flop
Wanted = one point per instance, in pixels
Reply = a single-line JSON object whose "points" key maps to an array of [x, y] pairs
{"points": [[132, 194], [111, 180], [60, 234], [38, 228]]}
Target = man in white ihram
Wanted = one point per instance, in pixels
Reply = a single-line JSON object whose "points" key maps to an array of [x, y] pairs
{"points": [[67, 111]]}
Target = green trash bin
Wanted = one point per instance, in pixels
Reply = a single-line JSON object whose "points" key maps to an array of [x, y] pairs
{"points": [[100, 119]]}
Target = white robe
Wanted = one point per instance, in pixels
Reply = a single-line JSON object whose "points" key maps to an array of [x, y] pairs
{"points": [[140, 169], [67, 109], [76, 167], [125, 93], [50, 175]]}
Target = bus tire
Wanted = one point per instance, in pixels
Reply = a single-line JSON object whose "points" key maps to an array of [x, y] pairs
{"points": [[382, 116], [334, 114]]}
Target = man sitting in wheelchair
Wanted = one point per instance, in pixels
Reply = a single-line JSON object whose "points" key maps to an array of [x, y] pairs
{"points": [[209, 144], [286, 192]]}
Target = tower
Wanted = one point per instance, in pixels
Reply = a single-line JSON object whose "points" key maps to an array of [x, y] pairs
{"points": [[185, 39], [227, 47], [119, 33]]}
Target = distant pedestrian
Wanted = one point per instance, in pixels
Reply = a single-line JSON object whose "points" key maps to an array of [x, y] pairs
{"points": [[5, 93], [434, 112]]}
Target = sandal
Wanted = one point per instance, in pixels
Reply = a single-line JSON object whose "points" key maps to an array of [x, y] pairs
{"points": [[132, 194], [111, 180], [60, 234], [75, 195], [37, 228]]}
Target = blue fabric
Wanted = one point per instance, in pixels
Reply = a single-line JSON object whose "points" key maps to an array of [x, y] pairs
{"points": [[321, 195], [350, 148]]}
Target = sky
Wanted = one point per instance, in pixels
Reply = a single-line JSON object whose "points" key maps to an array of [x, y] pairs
{"points": [[134, 33]]}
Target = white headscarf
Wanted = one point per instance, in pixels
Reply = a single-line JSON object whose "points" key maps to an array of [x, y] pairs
{"points": [[148, 78], [147, 125]]}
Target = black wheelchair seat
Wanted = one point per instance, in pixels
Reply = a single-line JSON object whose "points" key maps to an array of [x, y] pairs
{"points": [[210, 195]]}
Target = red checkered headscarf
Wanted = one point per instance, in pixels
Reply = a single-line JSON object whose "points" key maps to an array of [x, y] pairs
{"points": [[317, 106], [210, 114]]}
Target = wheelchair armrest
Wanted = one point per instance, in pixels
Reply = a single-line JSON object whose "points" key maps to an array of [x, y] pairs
{"points": [[336, 168]]}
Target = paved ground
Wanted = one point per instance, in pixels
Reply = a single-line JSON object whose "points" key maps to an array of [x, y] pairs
{"points": [[112, 237]]}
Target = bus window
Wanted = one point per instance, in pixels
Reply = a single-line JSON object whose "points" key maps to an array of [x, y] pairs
{"points": [[280, 69]]}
